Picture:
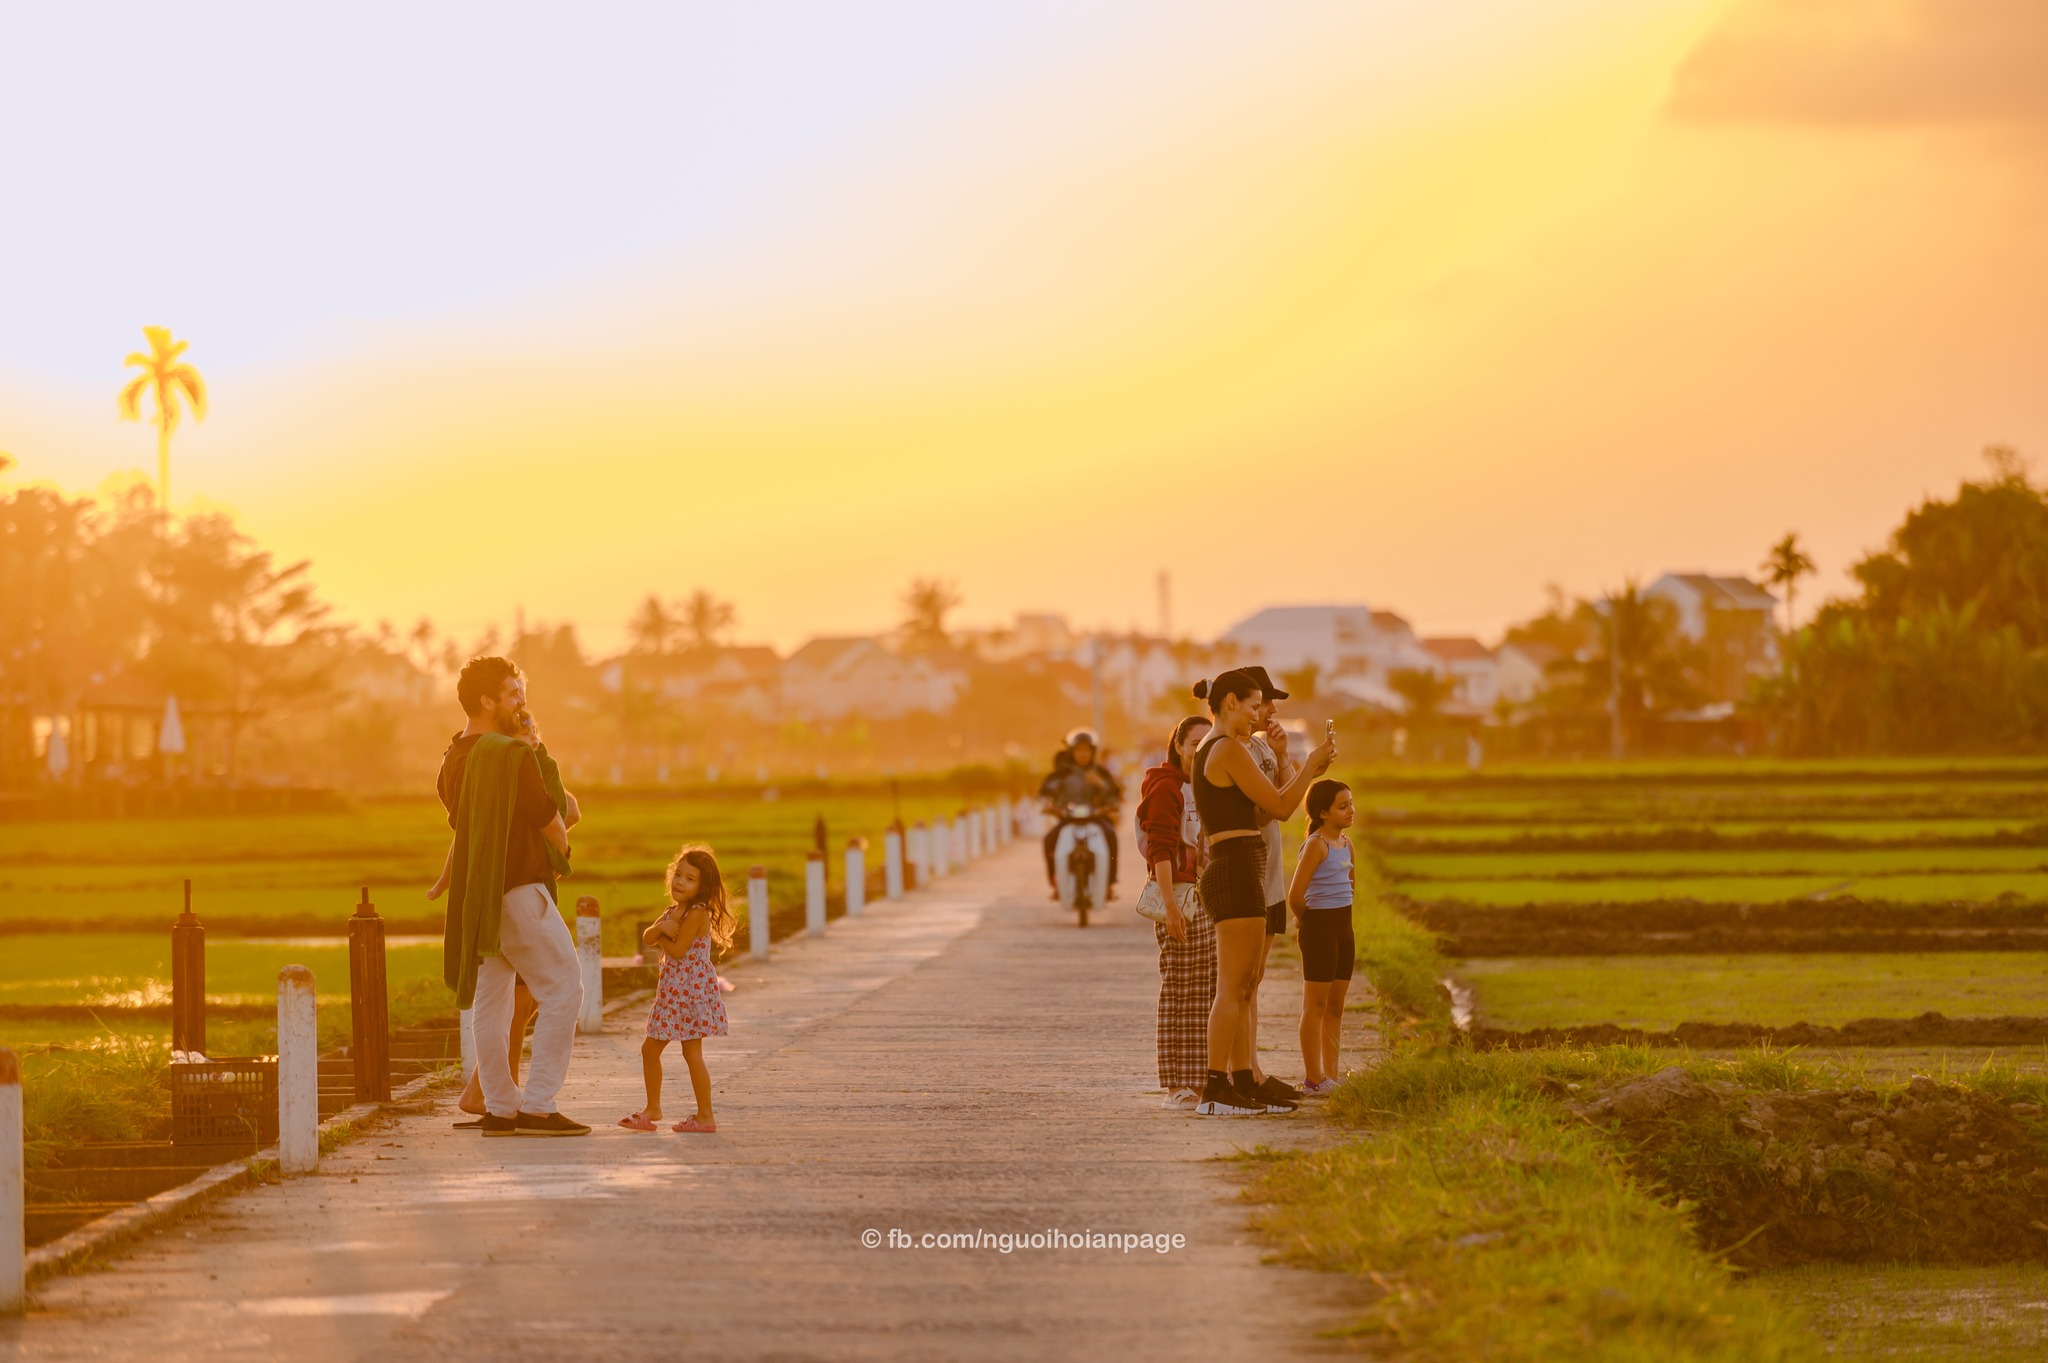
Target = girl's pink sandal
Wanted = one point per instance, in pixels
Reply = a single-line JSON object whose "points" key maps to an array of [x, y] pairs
{"points": [[692, 1124], [637, 1122]]}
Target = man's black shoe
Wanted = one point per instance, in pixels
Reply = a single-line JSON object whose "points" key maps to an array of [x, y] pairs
{"points": [[546, 1124], [494, 1126]]}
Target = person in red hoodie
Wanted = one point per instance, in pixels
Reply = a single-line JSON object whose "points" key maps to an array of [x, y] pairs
{"points": [[1170, 838]]}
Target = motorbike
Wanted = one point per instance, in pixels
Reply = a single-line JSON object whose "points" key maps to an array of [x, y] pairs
{"points": [[1080, 858]]}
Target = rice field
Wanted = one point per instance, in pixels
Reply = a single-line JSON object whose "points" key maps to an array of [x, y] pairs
{"points": [[1523, 842], [1657, 993], [86, 907]]}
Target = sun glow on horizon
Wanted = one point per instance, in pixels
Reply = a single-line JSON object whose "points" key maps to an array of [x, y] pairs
{"points": [[1457, 263]]}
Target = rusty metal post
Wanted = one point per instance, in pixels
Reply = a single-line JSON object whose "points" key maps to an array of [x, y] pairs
{"points": [[369, 1004], [13, 1190], [188, 980]]}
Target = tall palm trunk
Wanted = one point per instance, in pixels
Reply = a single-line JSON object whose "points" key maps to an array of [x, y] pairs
{"points": [[163, 463]]}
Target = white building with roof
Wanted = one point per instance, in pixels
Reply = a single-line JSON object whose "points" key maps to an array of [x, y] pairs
{"points": [[1732, 620], [833, 677], [1473, 673], [1342, 641]]}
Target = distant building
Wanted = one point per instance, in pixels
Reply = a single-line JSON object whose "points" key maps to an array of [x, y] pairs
{"points": [[1522, 670], [1354, 648], [835, 677], [1472, 671], [1732, 620], [1342, 641]]}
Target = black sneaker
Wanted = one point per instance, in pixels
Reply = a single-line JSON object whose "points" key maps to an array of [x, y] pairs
{"points": [[1278, 1091], [1220, 1098], [495, 1126], [1260, 1101], [546, 1124]]}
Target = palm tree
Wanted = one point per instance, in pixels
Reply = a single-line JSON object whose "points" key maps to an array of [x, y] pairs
{"points": [[652, 628], [166, 375], [925, 608], [1785, 565], [704, 620]]}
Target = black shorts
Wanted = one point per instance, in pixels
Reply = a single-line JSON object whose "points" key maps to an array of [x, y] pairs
{"points": [[1234, 882], [1276, 918], [1328, 948]]}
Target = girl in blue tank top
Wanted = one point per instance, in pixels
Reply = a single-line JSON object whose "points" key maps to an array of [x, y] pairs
{"points": [[1325, 883]]}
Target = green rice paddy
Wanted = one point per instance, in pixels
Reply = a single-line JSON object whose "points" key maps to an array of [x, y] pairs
{"points": [[1656, 993]]}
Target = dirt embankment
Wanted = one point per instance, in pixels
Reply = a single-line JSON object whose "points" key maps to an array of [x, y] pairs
{"points": [[1668, 926], [1937, 1173], [1928, 1029]]}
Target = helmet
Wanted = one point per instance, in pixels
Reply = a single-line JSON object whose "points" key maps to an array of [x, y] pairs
{"points": [[1079, 736]]}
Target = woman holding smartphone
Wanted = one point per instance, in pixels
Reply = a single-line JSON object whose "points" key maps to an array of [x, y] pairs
{"points": [[1231, 792]]}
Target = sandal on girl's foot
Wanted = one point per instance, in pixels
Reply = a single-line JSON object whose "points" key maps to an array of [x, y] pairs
{"points": [[692, 1124], [637, 1122]]}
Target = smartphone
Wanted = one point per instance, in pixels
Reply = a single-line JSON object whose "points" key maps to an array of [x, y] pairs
{"points": [[1329, 731]]}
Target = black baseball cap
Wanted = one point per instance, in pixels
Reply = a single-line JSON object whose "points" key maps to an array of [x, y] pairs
{"points": [[1258, 674]]}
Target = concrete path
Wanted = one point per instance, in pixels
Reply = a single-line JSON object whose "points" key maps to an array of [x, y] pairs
{"points": [[966, 1061]]}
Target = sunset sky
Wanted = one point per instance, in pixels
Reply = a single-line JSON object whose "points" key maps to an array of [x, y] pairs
{"points": [[1444, 300]]}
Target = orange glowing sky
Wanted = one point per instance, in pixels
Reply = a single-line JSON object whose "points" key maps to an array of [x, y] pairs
{"points": [[1449, 300]]}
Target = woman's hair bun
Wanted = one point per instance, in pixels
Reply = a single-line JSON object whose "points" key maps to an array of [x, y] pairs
{"points": [[1201, 689]]}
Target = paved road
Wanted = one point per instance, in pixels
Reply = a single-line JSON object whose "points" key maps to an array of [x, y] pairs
{"points": [[965, 1061]]}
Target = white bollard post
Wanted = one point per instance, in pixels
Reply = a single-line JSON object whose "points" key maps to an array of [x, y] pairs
{"points": [[465, 1024], [989, 836], [757, 912], [977, 846], [961, 851], [856, 877], [938, 848], [892, 863], [13, 1190], [590, 961], [298, 1072], [814, 893], [917, 846]]}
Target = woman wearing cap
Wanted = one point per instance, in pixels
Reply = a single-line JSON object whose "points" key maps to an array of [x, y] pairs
{"points": [[1231, 792], [1268, 747]]}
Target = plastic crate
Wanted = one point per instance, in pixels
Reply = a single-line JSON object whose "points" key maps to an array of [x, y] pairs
{"points": [[231, 1101]]}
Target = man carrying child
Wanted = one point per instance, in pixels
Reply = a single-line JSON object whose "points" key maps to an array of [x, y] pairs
{"points": [[511, 820]]}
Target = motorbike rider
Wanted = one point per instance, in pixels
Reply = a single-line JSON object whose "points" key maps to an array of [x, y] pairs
{"points": [[1078, 779]]}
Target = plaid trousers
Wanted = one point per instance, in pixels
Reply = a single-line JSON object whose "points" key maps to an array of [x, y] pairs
{"points": [[1187, 990]]}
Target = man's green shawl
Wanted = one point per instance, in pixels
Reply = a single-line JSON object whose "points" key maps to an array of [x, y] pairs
{"points": [[483, 828]]}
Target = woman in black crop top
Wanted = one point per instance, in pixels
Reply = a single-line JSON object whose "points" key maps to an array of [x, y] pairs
{"points": [[1230, 790]]}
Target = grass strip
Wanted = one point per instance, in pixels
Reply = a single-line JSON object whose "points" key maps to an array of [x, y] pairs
{"points": [[1497, 1228], [1398, 955]]}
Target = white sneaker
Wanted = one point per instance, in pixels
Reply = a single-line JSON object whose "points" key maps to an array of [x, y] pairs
{"points": [[1181, 1098]]}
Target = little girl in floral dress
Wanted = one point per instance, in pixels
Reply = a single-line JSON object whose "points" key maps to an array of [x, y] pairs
{"points": [[688, 1004]]}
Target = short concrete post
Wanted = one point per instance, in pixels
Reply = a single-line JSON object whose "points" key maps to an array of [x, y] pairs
{"points": [[960, 851], [814, 893], [465, 1025], [941, 848], [856, 877], [892, 863], [298, 1072], [975, 845], [590, 961], [989, 837], [13, 1190], [917, 848], [757, 912]]}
